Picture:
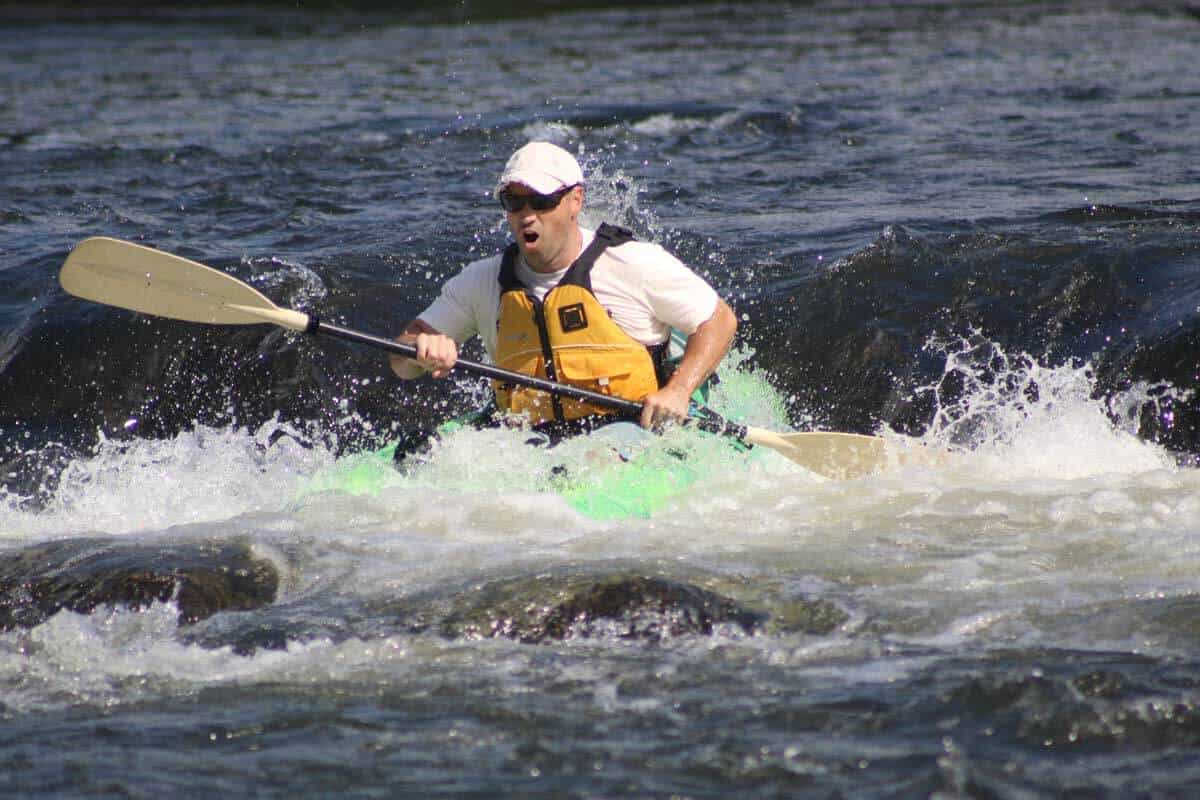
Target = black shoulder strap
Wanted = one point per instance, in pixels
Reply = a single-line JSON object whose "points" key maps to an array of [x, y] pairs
{"points": [[508, 269], [615, 234], [580, 273]]}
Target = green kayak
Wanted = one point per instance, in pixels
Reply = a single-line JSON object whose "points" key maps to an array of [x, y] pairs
{"points": [[615, 472], [622, 471]]}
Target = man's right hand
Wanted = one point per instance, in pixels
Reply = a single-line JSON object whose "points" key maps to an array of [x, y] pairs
{"points": [[436, 353]]}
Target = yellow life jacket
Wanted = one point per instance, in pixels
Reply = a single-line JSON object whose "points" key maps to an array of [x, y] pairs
{"points": [[568, 337]]}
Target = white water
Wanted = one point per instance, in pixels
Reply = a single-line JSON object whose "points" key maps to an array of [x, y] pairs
{"points": [[1055, 516]]}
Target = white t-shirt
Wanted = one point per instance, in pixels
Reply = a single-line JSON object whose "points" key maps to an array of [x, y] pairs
{"points": [[646, 290]]}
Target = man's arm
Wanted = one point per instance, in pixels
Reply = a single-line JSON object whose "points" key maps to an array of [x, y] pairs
{"points": [[705, 349], [436, 352]]}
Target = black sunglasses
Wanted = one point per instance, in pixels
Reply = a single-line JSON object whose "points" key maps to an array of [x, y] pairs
{"points": [[538, 202]]}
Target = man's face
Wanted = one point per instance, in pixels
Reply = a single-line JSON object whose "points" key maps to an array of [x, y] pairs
{"points": [[548, 239]]}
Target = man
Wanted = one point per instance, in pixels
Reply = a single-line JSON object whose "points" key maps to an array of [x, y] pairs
{"points": [[590, 308]]}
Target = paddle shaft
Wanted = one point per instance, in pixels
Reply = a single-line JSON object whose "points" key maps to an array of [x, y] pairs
{"points": [[715, 425]]}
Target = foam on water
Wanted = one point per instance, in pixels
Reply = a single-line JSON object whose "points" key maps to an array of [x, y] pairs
{"points": [[200, 476], [672, 124], [1047, 459], [1042, 501], [121, 656]]}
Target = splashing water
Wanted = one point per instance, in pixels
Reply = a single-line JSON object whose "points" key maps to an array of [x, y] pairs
{"points": [[616, 473], [1024, 418]]}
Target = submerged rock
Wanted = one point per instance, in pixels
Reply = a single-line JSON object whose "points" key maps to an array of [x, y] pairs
{"points": [[645, 608], [83, 574], [649, 608], [204, 578]]}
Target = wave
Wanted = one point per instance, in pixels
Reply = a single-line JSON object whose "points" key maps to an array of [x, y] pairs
{"points": [[849, 341]]}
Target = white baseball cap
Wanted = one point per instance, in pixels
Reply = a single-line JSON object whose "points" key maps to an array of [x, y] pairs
{"points": [[542, 166]]}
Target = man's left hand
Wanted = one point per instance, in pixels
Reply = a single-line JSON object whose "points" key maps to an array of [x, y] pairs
{"points": [[668, 404]]}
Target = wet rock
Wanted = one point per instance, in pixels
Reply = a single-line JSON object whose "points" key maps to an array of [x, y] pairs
{"points": [[648, 608], [83, 574], [812, 616]]}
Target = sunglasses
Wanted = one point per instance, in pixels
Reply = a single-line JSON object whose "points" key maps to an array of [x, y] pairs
{"points": [[538, 202]]}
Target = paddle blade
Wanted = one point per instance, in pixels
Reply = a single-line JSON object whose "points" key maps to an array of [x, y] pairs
{"points": [[839, 456], [128, 275]]}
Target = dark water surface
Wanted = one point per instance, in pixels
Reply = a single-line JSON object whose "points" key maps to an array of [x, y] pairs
{"points": [[973, 224]]}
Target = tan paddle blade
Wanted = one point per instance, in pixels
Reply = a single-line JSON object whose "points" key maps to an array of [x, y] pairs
{"points": [[128, 275], [839, 456]]}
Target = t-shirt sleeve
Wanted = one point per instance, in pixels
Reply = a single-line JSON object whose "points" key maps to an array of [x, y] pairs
{"points": [[467, 302], [451, 313], [678, 296]]}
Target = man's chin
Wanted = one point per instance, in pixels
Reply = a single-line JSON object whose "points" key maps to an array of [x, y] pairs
{"points": [[531, 253]]}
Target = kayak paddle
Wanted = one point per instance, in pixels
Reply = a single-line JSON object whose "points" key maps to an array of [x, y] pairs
{"points": [[139, 278]]}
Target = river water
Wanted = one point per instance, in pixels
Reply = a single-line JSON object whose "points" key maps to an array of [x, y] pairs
{"points": [[974, 226]]}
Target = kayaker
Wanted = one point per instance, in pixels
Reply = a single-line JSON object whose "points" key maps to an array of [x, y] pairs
{"points": [[592, 308]]}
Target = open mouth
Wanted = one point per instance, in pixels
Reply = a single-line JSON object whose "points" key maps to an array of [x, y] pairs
{"points": [[530, 237]]}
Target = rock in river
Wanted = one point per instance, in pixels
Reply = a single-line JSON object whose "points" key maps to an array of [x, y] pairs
{"points": [[82, 574]]}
